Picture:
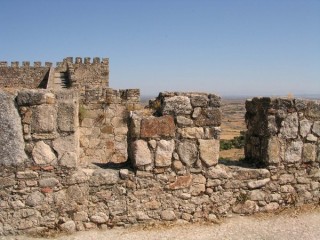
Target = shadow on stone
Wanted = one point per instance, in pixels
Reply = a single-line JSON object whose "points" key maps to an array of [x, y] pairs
{"points": [[112, 165], [243, 162]]}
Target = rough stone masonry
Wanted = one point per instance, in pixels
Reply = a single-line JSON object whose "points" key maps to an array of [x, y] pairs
{"points": [[89, 156]]}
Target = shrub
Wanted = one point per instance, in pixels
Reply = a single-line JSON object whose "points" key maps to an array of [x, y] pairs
{"points": [[236, 142]]}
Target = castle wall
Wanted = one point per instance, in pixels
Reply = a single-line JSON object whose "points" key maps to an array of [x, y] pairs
{"points": [[283, 132], [173, 170], [25, 76], [165, 181], [104, 117], [86, 74], [184, 134]]}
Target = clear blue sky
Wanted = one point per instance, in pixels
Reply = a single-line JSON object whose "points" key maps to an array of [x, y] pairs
{"points": [[241, 47]]}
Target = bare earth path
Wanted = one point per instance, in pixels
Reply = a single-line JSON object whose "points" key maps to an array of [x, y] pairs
{"points": [[292, 225]]}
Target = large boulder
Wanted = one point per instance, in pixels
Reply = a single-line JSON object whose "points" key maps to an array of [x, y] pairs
{"points": [[11, 137]]}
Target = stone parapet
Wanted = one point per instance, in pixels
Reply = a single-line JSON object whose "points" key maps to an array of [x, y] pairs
{"points": [[180, 129], [283, 131], [46, 198], [50, 126], [24, 76]]}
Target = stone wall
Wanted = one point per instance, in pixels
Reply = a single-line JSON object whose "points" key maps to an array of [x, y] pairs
{"points": [[43, 124], [85, 75], [173, 171], [25, 76], [184, 134], [283, 132], [104, 124]]}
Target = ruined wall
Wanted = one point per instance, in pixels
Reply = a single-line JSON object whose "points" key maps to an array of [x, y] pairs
{"points": [[173, 172], [104, 124], [184, 135], [45, 126], [25, 76], [283, 132]]}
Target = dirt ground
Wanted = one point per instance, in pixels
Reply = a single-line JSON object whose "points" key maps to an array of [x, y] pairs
{"points": [[290, 224]]}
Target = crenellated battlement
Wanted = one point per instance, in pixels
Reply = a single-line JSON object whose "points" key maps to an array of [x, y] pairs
{"points": [[87, 60], [77, 73], [25, 64]]}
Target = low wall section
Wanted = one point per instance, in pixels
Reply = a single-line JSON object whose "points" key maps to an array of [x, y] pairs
{"points": [[170, 175], [104, 115]]}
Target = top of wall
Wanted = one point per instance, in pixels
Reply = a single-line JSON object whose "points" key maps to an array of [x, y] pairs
{"points": [[24, 75], [80, 73]]}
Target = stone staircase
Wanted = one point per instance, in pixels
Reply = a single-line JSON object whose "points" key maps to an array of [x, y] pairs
{"points": [[60, 80]]}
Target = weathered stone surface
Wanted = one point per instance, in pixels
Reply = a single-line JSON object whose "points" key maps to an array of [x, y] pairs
{"points": [[157, 127], [141, 154], [305, 126], [290, 126], [104, 177], [188, 152], [177, 165], [212, 132], [67, 116], [191, 132], [11, 138], [248, 174], [184, 121], [27, 175], [181, 182], [311, 138], [48, 182], [258, 183], [309, 152], [316, 128], [248, 207], [273, 152], [80, 216], [153, 144], [78, 177], [99, 218], [142, 216], [43, 154], [164, 152], [217, 172], [29, 97], [35, 199], [68, 159], [257, 195], [293, 152], [209, 151], [176, 105], [271, 207], [285, 179], [209, 117], [68, 227], [66, 144], [153, 205], [43, 119], [313, 110], [272, 125], [196, 112], [214, 100], [168, 215], [199, 100], [198, 184], [7, 182]]}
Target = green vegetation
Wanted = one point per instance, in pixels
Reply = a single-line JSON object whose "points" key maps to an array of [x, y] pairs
{"points": [[236, 142]]}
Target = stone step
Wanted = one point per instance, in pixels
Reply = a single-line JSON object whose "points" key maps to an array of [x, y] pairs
{"points": [[60, 74]]}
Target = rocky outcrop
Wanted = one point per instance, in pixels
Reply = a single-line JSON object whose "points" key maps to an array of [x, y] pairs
{"points": [[11, 140]]}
